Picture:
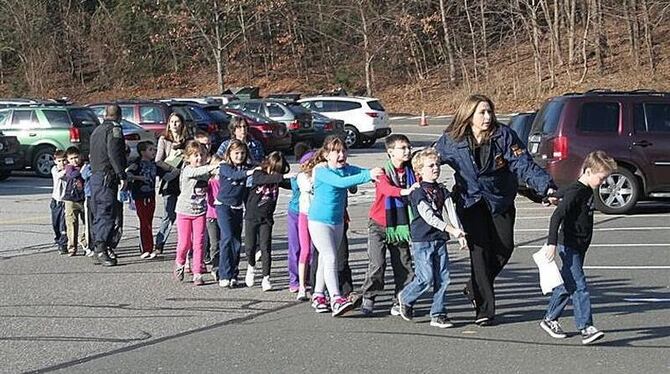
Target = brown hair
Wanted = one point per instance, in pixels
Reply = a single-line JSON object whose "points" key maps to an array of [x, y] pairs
{"points": [[275, 163], [72, 151], [193, 147], [236, 144], [330, 143], [419, 159], [183, 132], [236, 122], [461, 124], [59, 153], [599, 162]]}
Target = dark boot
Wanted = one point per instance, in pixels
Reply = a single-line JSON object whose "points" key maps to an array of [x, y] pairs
{"points": [[101, 256]]}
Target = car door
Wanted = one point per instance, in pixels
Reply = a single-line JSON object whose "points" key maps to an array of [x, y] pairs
{"points": [[650, 143], [23, 124]]}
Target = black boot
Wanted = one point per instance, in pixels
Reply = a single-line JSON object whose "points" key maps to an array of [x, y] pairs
{"points": [[102, 257]]}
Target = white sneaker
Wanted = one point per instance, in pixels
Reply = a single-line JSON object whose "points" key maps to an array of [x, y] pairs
{"points": [[302, 295], [89, 252], [215, 275], [145, 255], [265, 284], [224, 283], [152, 255], [249, 278], [233, 283]]}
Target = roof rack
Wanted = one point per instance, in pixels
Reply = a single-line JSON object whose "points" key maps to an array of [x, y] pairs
{"points": [[607, 91]]}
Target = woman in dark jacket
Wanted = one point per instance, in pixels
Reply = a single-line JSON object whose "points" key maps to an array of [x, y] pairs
{"points": [[487, 158]]}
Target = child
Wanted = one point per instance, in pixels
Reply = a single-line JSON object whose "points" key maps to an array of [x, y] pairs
{"points": [[388, 227], [304, 181], [574, 215], [261, 205], [326, 216], [56, 205], [191, 208], [142, 177], [293, 225], [213, 233], [233, 174], [429, 230], [73, 200]]}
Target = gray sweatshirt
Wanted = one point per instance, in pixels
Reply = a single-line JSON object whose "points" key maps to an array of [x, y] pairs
{"points": [[192, 200]]}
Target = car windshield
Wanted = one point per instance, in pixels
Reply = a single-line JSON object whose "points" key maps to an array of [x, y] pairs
{"points": [[546, 120], [376, 105]]}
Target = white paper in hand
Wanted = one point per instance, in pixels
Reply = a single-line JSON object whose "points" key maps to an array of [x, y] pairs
{"points": [[550, 276]]}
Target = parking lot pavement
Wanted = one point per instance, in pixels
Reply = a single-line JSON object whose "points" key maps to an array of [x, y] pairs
{"points": [[65, 314]]}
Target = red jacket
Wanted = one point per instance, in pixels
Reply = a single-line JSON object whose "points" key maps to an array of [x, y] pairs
{"points": [[383, 189]]}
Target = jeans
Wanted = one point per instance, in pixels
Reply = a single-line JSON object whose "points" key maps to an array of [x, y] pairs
{"points": [[401, 262], [230, 225], [169, 216], [431, 263], [212, 238], [574, 286], [58, 222]]}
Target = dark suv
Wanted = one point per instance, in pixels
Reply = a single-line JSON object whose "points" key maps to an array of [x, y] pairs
{"points": [[11, 157], [633, 127]]}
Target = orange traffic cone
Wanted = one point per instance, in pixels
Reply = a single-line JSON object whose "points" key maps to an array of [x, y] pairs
{"points": [[423, 122]]}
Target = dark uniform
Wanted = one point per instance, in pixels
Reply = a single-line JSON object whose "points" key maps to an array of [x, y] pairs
{"points": [[108, 165], [486, 178]]}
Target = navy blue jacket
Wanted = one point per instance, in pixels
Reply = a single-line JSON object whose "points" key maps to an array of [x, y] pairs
{"points": [[233, 188], [497, 181]]}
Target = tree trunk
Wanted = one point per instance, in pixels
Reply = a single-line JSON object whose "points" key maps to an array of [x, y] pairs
{"points": [[596, 15], [484, 37], [473, 40], [570, 10], [366, 50], [585, 39], [447, 43], [648, 35]]}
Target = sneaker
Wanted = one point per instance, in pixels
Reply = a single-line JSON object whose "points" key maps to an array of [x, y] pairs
{"points": [[179, 272], [233, 283], [72, 252], [302, 294], [355, 298], [111, 254], [224, 283], [590, 334], [320, 304], [484, 321], [553, 328], [249, 278], [441, 321], [145, 255], [340, 306], [89, 252], [293, 289], [215, 275], [197, 280], [406, 311], [367, 306], [152, 255], [265, 284], [62, 250], [395, 309]]}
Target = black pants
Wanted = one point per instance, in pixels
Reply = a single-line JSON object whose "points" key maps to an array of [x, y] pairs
{"points": [[259, 231], [344, 275], [105, 211], [401, 263], [212, 246], [491, 242]]}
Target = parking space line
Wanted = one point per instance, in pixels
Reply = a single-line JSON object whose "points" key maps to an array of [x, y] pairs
{"points": [[626, 267], [646, 228], [646, 300], [622, 245]]}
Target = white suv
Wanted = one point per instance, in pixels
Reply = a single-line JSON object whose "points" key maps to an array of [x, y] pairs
{"points": [[365, 119]]}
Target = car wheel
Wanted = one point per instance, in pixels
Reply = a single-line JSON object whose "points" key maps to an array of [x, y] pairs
{"points": [[618, 193], [5, 174], [352, 137], [43, 161]]}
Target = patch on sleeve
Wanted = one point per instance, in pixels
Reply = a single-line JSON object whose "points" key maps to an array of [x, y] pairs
{"points": [[500, 161], [518, 151], [117, 132]]}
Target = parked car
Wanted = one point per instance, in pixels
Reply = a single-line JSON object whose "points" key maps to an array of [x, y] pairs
{"points": [[151, 115], [133, 134], [202, 117], [521, 124], [273, 135], [7, 103], [42, 129], [365, 119], [325, 126], [296, 118], [632, 127], [11, 157]]}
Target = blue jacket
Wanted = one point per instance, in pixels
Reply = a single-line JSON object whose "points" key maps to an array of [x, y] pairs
{"points": [[295, 197], [232, 184], [330, 192], [497, 181]]}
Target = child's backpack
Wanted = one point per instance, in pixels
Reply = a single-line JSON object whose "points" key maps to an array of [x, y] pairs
{"points": [[74, 188]]}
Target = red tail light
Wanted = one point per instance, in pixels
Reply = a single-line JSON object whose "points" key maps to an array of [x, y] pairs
{"points": [[560, 148], [265, 129], [74, 135], [328, 126], [212, 127], [295, 125], [373, 114], [132, 137]]}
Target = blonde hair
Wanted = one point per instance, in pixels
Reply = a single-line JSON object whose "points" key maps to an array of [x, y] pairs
{"points": [[419, 159], [331, 143], [193, 147], [599, 162], [462, 122], [236, 144]]}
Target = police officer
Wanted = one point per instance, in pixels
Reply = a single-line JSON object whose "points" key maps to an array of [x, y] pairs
{"points": [[108, 165], [487, 158]]}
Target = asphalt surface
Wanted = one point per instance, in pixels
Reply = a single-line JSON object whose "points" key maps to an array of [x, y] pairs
{"points": [[67, 315]]}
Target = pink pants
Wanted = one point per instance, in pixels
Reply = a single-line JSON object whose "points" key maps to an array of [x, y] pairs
{"points": [[191, 235], [305, 239]]}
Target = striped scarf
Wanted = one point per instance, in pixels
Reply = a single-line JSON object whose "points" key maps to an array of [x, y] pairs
{"points": [[398, 214]]}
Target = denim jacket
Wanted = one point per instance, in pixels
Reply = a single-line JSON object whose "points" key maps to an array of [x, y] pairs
{"points": [[496, 182]]}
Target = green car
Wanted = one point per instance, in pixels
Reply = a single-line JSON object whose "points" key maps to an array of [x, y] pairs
{"points": [[41, 129]]}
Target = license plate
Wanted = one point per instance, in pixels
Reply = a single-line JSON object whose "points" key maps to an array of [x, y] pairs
{"points": [[9, 161]]}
